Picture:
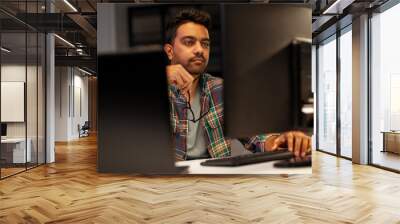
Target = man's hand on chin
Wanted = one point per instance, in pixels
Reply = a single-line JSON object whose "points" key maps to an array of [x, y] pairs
{"points": [[296, 142]]}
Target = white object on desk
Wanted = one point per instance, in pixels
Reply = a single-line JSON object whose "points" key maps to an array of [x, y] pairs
{"points": [[19, 149], [12, 101], [194, 167]]}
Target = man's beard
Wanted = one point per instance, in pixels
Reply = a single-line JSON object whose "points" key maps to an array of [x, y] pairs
{"points": [[193, 69]]}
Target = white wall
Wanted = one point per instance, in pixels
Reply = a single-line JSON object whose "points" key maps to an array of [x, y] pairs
{"points": [[79, 103], [16, 73], [10, 73], [62, 81], [71, 93], [33, 126]]}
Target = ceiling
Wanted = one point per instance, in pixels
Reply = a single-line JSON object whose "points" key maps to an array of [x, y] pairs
{"points": [[76, 22]]}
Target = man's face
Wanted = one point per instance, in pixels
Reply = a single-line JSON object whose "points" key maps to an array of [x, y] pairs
{"points": [[190, 48]]}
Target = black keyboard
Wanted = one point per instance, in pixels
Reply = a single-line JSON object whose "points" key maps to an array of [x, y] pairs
{"points": [[295, 162], [257, 157]]}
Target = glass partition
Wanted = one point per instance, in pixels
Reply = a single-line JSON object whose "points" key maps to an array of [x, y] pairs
{"points": [[385, 88], [22, 78], [14, 151], [346, 93], [41, 96], [327, 95], [31, 100]]}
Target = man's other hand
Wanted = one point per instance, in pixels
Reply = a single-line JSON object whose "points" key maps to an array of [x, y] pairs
{"points": [[177, 75], [296, 142]]}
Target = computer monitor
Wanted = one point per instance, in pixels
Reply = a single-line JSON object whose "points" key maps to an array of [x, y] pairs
{"points": [[133, 114], [266, 68], [3, 130]]}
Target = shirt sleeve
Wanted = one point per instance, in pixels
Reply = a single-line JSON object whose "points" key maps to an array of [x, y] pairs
{"points": [[255, 143], [172, 113]]}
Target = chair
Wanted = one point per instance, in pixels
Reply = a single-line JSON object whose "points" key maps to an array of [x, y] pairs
{"points": [[84, 130]]}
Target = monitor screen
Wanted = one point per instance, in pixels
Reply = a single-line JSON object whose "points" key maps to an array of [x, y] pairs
{"points": [[3, 129]]}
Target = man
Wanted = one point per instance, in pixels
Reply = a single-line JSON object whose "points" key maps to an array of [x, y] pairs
{"points": [[196, 100]]}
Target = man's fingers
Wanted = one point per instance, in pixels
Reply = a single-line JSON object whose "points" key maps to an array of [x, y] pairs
{"points": [[304, 147], [172, 80], [289, 138], [179, 82], [178, 75], [181, 85], [185, 73], [297, 145], [278, 141], [187, 79]]}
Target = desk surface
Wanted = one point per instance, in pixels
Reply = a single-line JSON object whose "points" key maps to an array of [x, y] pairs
{"points": [[13, 140], [258, 168], [390, 132]]}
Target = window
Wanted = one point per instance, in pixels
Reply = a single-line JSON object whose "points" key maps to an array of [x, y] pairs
{"points": [[346, 93], [385, 88], [327, 96]]}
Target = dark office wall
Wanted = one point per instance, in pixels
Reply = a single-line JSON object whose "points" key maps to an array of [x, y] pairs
{"points": [[258, 66]]}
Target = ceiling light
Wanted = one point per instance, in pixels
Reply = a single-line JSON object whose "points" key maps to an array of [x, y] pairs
{"points": [[338, 6], [84, 71], [65, 41], [5, 50], [70, 5], [307, 109]]}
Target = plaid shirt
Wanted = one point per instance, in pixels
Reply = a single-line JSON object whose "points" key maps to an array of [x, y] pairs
{"points": [[211, 98]]}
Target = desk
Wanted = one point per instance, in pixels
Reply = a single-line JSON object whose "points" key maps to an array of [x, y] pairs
{"points": [[391, 141], [194, 167], [13, 150]]}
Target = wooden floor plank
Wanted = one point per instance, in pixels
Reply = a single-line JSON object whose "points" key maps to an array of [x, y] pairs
{"points": [[71, 191]]}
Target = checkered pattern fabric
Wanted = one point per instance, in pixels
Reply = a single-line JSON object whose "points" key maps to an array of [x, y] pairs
{"points": [[211, 98]]}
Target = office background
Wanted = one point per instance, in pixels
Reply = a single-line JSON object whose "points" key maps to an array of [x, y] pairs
{"points": [[39, 108], [22, 60], [373, 37]]}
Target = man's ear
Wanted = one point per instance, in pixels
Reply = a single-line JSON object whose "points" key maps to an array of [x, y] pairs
{"points": [[169, 51]]}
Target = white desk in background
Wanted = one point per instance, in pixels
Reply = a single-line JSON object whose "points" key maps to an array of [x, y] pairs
{"points": [[18, 149], [194, 167]]}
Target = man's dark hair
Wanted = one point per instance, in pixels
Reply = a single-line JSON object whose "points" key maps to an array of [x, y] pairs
{"points": [[185, 16]]}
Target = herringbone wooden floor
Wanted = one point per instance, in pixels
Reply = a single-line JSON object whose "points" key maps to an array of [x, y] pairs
{"points": [[71, 191]]}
